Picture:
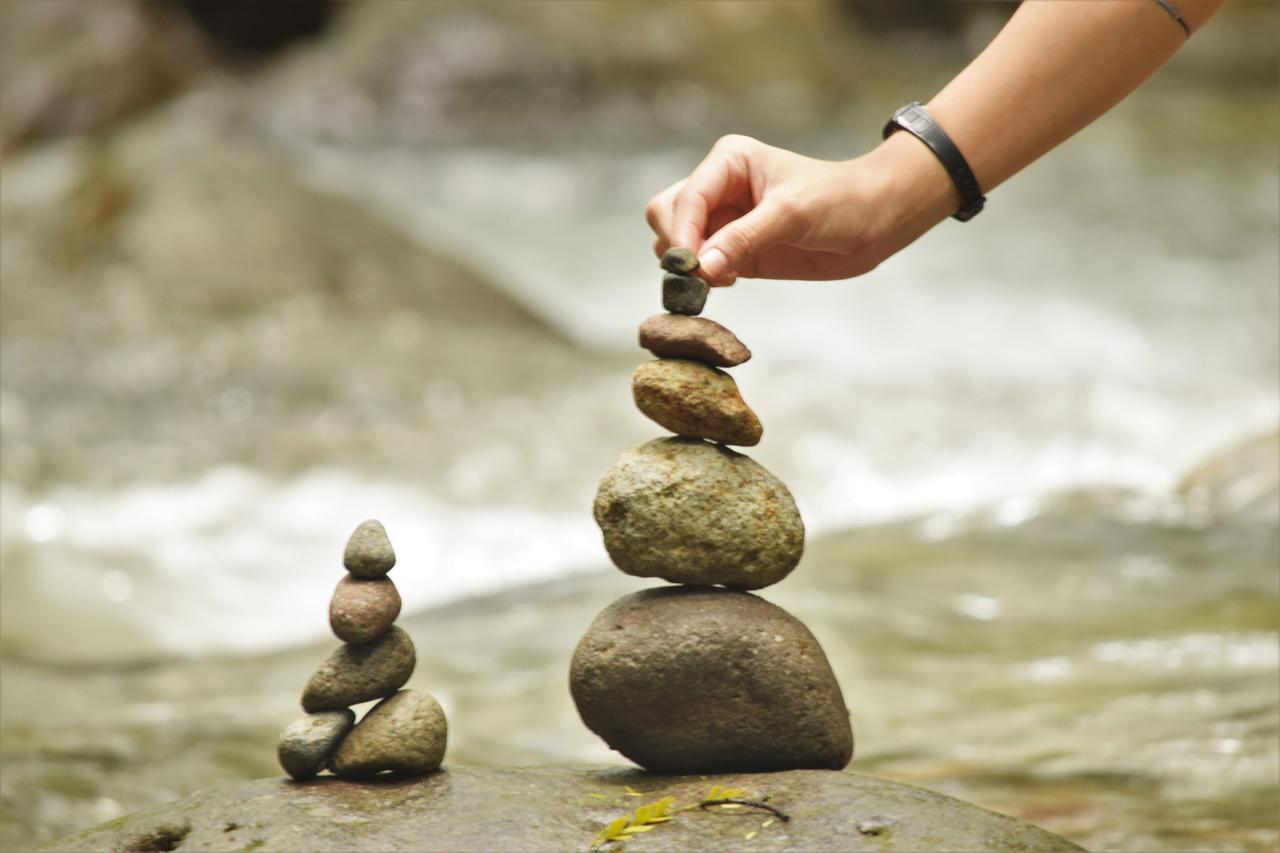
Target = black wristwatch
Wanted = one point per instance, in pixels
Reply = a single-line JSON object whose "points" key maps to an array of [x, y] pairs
{"points": [[914, 119]]}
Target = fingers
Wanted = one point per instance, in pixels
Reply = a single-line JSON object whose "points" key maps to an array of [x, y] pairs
{"points": [[660, 214], [735, 247], [720, 179]]}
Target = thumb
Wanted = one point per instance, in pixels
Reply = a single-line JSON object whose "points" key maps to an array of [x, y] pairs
{"points": [[737, 244]]}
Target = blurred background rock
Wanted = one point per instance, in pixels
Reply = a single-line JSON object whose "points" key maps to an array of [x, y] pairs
{"points": [[271, 268]]}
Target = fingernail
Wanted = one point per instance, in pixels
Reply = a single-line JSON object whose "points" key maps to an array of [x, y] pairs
{"points": [[713, 263]]}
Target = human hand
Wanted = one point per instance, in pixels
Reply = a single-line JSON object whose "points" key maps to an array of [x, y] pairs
{"points": [[753, 210]]}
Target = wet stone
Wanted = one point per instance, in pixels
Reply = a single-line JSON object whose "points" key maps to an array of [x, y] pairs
{"points": [[369, 553], [358, 673], [697, 513], [694, 338], [692, 399], [679, 260], [405, 734], [703, 680], [684, 294], [362, 610], [306, 744]]}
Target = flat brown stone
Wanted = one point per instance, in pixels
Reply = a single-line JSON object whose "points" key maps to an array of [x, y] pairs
{"points": [[695, 338], [358, 673]]}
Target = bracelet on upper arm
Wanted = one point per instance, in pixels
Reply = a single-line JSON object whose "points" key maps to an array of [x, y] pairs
{"points": [[1175, 14], [914, 119]]}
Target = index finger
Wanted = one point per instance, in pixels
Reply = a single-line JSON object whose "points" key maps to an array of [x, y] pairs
{"points": [[715, 181]]}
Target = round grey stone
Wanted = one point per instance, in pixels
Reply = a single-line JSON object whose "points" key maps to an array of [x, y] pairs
{"points": [[693, 512], [683, 294], [358, 673], [679, 260], [369, 553], [406, 733], [704, 680], [362, 610], [306, 744]]}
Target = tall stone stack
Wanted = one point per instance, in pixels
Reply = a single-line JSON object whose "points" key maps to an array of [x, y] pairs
{"points": [[703, 676], [406, 732]]}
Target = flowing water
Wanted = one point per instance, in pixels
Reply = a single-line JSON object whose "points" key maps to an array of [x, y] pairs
{"points": [[1037, 456]]}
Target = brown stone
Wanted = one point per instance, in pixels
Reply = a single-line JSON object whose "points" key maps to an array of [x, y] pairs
{"points": [[695, 338], [692, 399], [405, 733], [358, 673], [363, 610], [704, 680]]}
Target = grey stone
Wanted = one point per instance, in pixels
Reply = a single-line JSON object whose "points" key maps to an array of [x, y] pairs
{"points": [[876, 825], [696, 338], [679, 260], [362, 610], [703, 680], [306, 744], [358, 673], [369, 553], [692, 512], [690, 398], [405, 733], [684, 294], [560, 808]]}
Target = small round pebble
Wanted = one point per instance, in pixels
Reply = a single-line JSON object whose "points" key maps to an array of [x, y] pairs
{"points": [[406, 733], [876, 825], [369, 553], [684, 294], [362, 610], [358, 673], [679, 260], [306, 744]]}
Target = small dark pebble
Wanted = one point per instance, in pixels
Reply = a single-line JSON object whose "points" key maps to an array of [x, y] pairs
{"points": [[876, 825], [683, 294], [679, 260]]}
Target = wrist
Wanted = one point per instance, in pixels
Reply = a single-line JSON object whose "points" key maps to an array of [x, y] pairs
{"points": [[910, 188]]}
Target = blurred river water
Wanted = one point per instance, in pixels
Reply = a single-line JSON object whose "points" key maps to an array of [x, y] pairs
{"points": [[1037, 454]]}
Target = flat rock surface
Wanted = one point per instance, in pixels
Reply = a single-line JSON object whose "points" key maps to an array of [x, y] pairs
{"points": [[696, 338], [688, 511], [694, 399], [562, 808], [687, 679]]}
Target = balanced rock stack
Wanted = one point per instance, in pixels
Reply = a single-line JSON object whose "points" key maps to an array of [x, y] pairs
{"points": [[406, 732], [703, 677]]}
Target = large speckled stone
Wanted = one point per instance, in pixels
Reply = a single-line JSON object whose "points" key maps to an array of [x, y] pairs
{"points": [[405, 733], [684, 294], [306, 744], [369, 553], [704, 680], [690, 398], [362, 610], [696, 338], [692, 512], [358, 673], [531, 809], [679, 260]]}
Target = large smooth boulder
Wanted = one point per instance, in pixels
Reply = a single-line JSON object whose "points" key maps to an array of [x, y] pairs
{"points": [[705, 680], [692, 512], [563, 808]]}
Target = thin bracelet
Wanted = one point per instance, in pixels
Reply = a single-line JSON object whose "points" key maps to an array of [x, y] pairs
{"points": [[1173, 13]]}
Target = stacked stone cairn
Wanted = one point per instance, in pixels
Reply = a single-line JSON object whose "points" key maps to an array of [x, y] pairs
{"points": [[406, 732], [703, 677]]}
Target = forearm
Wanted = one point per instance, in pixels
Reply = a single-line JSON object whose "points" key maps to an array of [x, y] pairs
{"points": [[1053, 69]]}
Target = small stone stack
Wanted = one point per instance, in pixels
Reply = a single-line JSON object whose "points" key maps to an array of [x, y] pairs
{"points": [[703, 677], [406, 732]]}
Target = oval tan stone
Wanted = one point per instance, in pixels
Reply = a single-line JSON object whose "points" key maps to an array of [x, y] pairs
{"points": [[358, 673], [363, 610], [406, 733], [696, 400], [705, 680], [369, 553], [695, 338], [692, 512]]}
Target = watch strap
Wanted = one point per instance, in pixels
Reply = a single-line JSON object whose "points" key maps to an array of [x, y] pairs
{"points": [[914, 119]]}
